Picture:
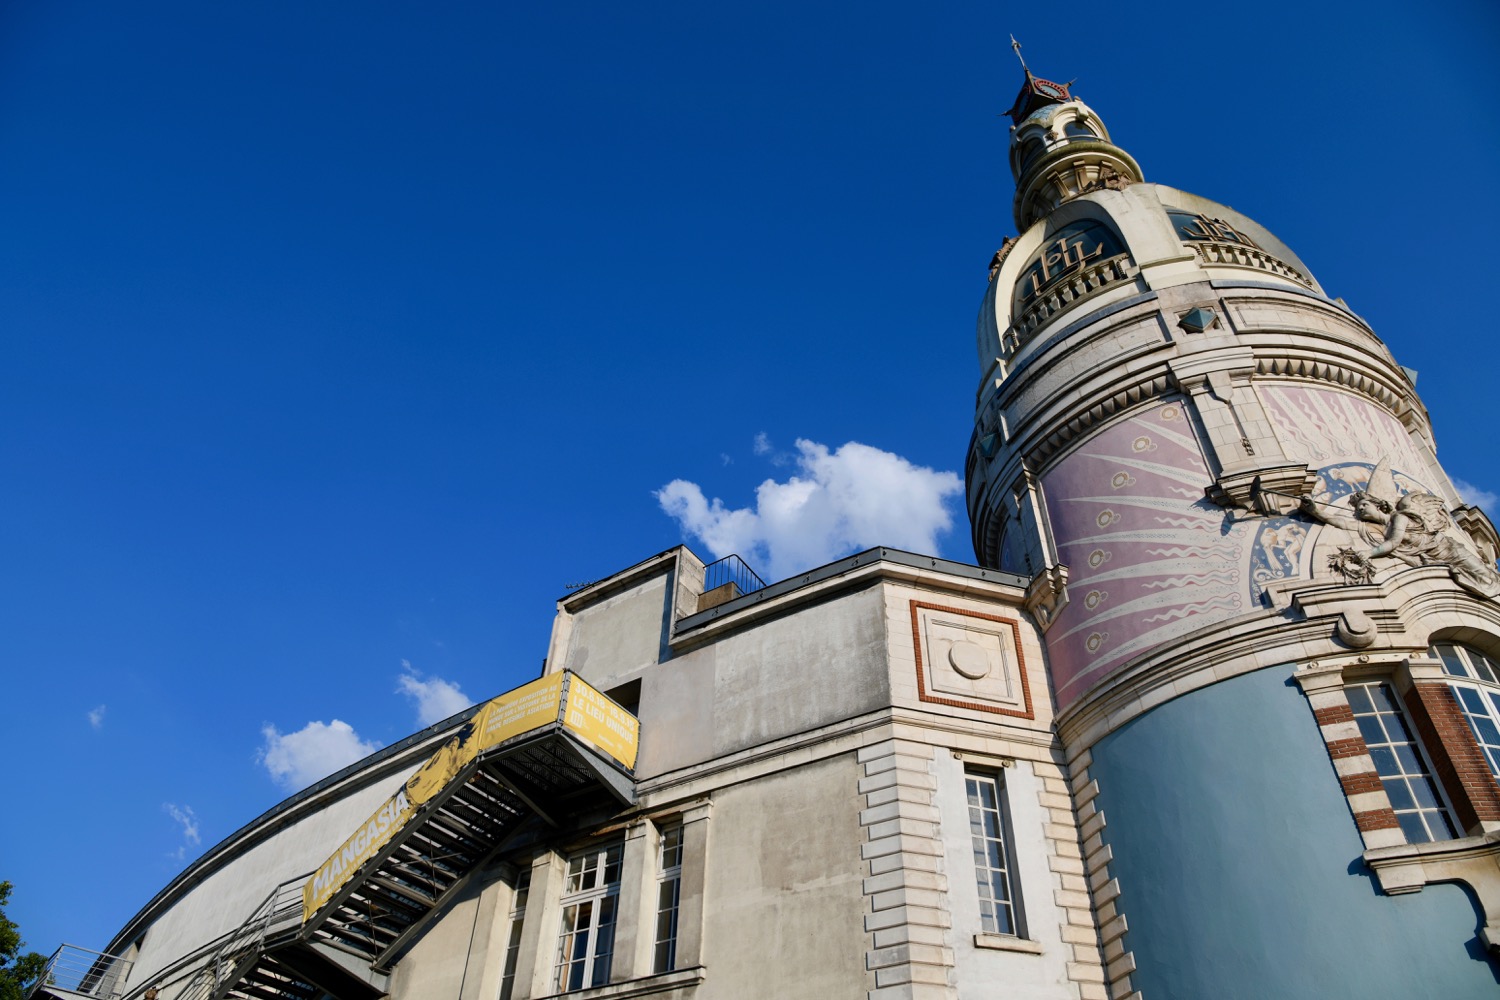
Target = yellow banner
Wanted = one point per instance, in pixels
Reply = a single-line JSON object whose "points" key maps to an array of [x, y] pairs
{"points": [[526, 708], [376, 832], [602, 722]]}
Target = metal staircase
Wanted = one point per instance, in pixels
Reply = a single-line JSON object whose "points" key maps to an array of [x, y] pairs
{"points": [[343, 950], [433, 855]]}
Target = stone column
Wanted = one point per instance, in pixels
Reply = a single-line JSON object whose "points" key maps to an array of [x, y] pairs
{"points": [[695, 847], [539, 927], [636, 915]]}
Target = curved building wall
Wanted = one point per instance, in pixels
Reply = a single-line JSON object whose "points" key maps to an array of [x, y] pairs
{"points": [[1240, 862], [231, 880]]}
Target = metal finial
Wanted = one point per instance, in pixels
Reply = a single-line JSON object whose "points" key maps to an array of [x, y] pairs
{"points": [[1017, 46]]}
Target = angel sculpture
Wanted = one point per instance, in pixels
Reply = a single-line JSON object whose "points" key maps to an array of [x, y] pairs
{"points": [[1414, 528]]}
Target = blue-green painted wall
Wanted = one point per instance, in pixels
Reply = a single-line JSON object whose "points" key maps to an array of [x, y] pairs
{"points": [[1239, 862]]}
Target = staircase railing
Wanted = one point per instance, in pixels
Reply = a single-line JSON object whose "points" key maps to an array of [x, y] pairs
{"points": [[281, 907], [82, 971]]}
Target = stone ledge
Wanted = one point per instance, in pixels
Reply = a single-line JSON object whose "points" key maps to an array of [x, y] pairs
{"points": [[1005, 942], [645, 986], [1474, 861]]}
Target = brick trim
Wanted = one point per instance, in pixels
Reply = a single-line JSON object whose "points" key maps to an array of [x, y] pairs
{"points": [[1350, 756], [1376, 819], [1015, 629], [1457, 760]]}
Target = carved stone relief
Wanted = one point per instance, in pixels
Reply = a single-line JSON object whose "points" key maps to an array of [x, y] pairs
{"points": [[1414, 528], [972, 660]]}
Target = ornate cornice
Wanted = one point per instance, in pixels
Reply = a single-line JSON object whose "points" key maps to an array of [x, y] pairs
{"points": [[1285, 366]]}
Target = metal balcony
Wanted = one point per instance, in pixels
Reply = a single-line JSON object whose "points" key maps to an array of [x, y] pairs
{"points": [[78, 972]]}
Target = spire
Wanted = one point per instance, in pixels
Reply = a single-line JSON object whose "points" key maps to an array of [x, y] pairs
{"points": [[1035, 92]]}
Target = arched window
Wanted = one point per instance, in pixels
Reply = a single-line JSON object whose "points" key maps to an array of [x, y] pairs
{"points": [[1066, 252], [1077, 129], [1030, 150]]}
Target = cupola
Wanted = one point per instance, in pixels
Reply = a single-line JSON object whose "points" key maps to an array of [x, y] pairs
{"points": [[1059, 149]]}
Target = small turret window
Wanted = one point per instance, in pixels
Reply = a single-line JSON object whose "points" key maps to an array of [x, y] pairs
{"points": [[1196, 227], [1030, 150], [1079, 130]]}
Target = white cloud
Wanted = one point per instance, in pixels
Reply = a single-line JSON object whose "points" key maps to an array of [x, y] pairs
{"points": [[189, 821], [837, 503], [762, 444], [296, 760], [435, 699], [186, 817], [96, 716], [1477, 497]]}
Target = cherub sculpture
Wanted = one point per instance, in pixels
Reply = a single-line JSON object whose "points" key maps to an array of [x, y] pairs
{"points": [[1414, 528]]}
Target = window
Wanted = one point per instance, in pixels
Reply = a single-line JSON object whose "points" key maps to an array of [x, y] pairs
{"points": [[590, 900], [998, 906], [1398, 760], [1480, 702], [668, 893], [513, 946]]}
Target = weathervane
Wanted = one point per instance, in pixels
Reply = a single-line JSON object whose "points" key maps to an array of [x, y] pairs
{"points": [[1017, 46]]}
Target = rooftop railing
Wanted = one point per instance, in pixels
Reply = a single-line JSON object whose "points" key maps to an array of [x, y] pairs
{"points": [[725, 579]]}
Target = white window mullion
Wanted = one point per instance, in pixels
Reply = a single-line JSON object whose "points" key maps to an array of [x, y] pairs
{"points": [[590, 899], [668, 898], [987, 830]]}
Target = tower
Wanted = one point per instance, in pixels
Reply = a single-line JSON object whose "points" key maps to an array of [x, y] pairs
{"points": [[1271, 623]]}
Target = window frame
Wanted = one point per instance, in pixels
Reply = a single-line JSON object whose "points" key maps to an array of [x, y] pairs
{"points": [[982, 856], [669, 855], [518, 900], [1474, 678], [1410, 774], [588, 889]]}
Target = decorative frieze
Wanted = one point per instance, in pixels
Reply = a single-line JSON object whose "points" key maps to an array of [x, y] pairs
{"points": [[1240, 255]]}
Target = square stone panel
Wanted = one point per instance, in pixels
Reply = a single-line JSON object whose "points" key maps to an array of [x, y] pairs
{"points": [[967, 659]]}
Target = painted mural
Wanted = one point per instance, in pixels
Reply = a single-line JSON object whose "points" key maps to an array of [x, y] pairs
{"points": [[1146, 552], [1149, 556]]}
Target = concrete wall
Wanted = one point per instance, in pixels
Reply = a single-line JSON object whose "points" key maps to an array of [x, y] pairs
{"points": [[820, 663], [461, 955], [613, 638], [1239, 863], [785, 911]]}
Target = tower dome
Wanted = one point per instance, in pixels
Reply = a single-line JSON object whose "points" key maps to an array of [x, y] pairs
{"points": [[1259, 591]]}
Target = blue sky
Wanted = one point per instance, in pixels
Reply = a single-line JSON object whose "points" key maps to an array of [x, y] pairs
{"points": [[337, 340]]}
